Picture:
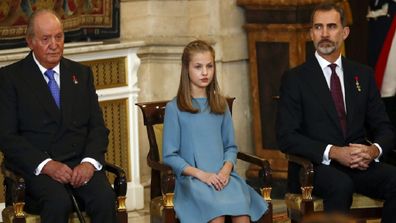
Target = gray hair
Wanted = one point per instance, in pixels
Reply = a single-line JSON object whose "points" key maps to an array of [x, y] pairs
{"points": [[32, 19]]}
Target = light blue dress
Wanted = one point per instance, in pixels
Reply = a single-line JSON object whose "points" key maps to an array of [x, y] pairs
{"points": [[205, 140]]}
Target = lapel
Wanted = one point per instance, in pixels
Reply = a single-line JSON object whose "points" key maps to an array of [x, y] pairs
{"points": [[35, 80], [67, 91], [350, 90], [315, 78]]}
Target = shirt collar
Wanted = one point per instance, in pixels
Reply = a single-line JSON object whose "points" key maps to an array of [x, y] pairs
{"points": [[324, 63], [43, 69]]}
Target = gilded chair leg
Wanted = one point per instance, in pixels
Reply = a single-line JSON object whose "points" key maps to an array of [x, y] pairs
{"points": [[267, 217], [122, 217], [168, 215], [307, 206], [266, 193], [19, 215], [19, 220]]}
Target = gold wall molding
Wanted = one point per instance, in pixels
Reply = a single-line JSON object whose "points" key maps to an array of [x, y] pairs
{"points": [[115, 114], [109, 73]]}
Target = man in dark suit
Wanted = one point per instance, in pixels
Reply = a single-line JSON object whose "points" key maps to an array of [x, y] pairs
{"points": [[330, 114], [52, 130]]}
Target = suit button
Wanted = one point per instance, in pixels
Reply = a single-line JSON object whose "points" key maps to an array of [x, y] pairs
{"points": [[74, 122], [74, 145]]}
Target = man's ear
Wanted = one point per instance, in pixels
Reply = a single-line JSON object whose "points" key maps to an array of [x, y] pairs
{"points": [[345, 32], [311, 33], [29, 41]]}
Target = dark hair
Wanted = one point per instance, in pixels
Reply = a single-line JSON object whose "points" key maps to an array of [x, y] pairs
{"points": [[327, 6], [32, 20], [216, 101]]}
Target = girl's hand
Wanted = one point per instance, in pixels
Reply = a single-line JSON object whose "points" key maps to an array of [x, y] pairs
{"points": [[224, 177], [224, 173], [211, 179]]}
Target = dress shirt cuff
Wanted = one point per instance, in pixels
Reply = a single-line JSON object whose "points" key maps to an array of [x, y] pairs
{"points": [[380, 152], [37, 171], [326, 160], [95, 163]]}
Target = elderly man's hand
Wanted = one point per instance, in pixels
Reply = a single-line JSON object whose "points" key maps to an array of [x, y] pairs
{"points": [[58, 171], [82, 174]]}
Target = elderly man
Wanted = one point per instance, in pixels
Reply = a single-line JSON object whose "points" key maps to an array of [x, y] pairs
{"points": [[51, 127]]}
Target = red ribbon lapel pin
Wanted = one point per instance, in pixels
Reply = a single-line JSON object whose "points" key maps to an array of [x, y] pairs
{"points": [[357, 83], [74, 78]]}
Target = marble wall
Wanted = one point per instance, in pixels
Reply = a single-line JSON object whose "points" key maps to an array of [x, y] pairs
{"points": [[166, 26]]}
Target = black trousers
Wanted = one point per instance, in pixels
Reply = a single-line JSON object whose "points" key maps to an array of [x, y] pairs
{"points": [[55, 205], [336, 185]]}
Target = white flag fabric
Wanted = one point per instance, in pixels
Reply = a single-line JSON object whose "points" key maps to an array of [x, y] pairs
{"points": [[385, 67]]}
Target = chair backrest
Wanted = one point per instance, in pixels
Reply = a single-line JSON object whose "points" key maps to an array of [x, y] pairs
{"points": [[153, 119]]}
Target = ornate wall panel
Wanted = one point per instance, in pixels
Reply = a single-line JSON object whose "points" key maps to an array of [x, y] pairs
{"points": [[115, 113], [109, 73]]}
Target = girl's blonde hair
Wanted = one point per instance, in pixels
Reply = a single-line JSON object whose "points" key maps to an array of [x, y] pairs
{"points": [[216, 101]]}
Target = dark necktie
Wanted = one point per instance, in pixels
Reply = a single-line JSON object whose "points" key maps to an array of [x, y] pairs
{"points": [[336, 93], [53, 86]]}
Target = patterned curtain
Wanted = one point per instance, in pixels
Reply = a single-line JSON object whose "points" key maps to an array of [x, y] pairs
{"points": [[82, 19]]}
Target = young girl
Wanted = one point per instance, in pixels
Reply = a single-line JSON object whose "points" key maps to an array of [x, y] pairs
{"points": [[198, 144]]}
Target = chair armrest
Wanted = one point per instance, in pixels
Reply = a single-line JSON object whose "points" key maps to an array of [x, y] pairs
{"points": [[265, 173], [165, 181], [120, 188], [17, 186], [15, 192], [306, 175], [158, 166], [120, 181], [254, 160], [306, 164]]}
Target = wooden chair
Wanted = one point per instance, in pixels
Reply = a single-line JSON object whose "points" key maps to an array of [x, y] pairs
{"points": [[300, 205], [15, 198], [162, 177]]}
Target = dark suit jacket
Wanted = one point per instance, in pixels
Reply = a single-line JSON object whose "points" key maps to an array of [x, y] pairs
{"points": [[307, 119], [32, 128]]}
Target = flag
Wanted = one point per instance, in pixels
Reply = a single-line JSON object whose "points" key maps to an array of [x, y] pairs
{"points": [[383, 42], [385, 69]]}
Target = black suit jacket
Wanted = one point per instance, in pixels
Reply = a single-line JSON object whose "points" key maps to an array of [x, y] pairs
{"points": [[32, 128], [307, 119]]}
